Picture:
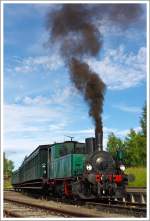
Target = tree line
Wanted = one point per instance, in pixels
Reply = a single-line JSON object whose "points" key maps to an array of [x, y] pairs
{"points": [[8, 167], [133, 145]]}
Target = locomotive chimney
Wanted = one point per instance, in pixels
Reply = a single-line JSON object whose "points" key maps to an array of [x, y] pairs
{"points": [[99, 139]]}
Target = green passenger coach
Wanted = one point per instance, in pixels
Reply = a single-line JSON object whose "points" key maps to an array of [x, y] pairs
{"points": [[57, 161], [32, 168]]}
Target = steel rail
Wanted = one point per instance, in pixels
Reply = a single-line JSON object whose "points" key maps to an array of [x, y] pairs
{"points": [[121, 209], [66, 212], [136, 189], [10, 213]]}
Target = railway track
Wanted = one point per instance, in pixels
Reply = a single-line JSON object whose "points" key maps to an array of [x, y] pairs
{"points": [[103, 209], [17, 208], [137, 194], [25, 209], [128, 208], [136, 189]]}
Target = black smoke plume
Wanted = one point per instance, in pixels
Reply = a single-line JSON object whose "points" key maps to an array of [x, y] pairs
{"points": [[74, 28]]}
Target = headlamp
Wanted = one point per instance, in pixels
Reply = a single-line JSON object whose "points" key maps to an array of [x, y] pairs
{"points": [[122, 167], [89, 167]]}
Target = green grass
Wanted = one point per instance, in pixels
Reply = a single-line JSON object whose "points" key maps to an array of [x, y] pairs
{"points": [[140, 176]]}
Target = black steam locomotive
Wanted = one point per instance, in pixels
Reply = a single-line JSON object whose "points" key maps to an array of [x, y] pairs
{"points": [[73, 169]]}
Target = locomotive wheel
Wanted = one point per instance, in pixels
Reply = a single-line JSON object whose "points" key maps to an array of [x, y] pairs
{"points": [[81, 190]]}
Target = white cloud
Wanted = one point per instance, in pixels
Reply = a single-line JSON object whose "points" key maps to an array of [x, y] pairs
{"points": [[127, 108], [109, 29], [82, 134], [19, 119], [31, 64], [39, 100], [119, 133], [119, 69], [59, 96], [85, 131], [26, 127], [30, 121]]}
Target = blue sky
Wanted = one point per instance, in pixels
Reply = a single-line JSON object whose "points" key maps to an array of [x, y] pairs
{"points": [[41, 105]]}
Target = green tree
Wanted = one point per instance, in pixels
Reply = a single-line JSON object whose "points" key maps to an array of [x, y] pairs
{"points": [[143, 122], [8, 166], [142, 136], [114, 143], [141, 143], [134, 144], [131, 148], [135, 149]]}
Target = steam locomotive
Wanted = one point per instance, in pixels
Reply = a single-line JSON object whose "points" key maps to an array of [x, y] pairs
{"points": [[73, 169]]}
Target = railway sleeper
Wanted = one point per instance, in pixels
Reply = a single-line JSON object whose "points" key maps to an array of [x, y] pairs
{"points": [[136, 198]]}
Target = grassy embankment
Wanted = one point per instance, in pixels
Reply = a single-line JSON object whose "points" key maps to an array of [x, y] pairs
{"points": [[140, 174]]}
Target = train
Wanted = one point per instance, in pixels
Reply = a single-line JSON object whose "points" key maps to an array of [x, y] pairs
{"points": [[72, 169]]}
